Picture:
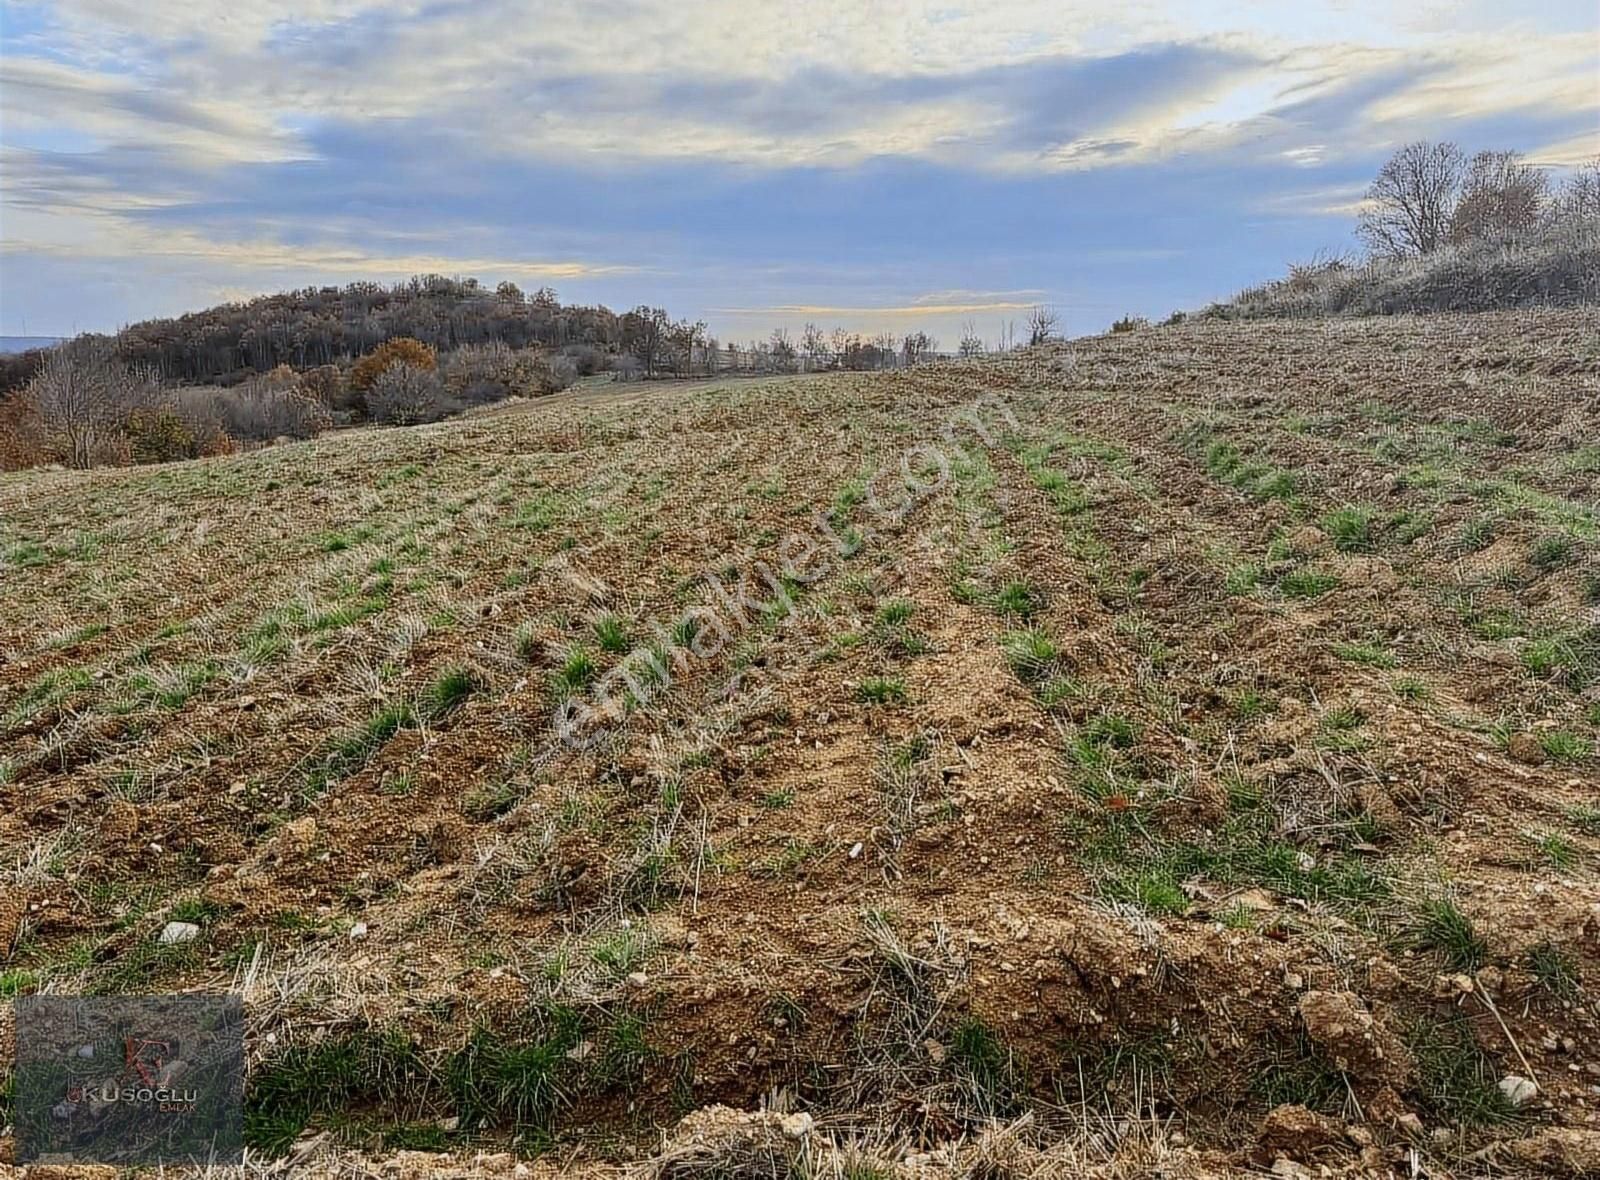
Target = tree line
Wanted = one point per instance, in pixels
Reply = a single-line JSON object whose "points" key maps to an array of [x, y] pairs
{"points": [[1428, 196], [1445, 231]]}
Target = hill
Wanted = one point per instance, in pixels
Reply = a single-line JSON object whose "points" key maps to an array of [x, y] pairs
{"points": [[1131, 740]]}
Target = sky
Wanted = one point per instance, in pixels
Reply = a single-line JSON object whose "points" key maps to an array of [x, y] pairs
{"points": [[878, 164]]}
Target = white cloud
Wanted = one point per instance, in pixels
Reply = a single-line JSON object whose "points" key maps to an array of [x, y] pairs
{"points": [[563, 81]]}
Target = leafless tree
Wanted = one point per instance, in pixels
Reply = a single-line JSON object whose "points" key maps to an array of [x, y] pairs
{"points": [[684, 340], [916, 348], [1041, 324], [1411, 201], [405, 395], [83, 396], [1503, 196], [1579, 197], [971, 342], [782, 350], [813, 346], [644, 334]]}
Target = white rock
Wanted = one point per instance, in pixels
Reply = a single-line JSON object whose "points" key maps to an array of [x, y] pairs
{"points": [[797, 1126], [1517, 1089], [855, 851], [638, 979], [359, 930], [176, 932]]}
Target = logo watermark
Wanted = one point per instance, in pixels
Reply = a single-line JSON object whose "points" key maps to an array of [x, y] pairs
{"points": [[129, 1079]]}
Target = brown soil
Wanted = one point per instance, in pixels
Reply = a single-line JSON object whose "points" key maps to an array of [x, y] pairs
{"points": [[1196, 771]]}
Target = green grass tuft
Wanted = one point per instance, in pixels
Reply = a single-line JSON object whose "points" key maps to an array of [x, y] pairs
{"points": [[1031, 654], [1455, 1077], [1442, 928], [1551, 553], [1018, 599], [577, 672], [882, 690], [1350, 528], [1306, 584], [1555, 971], [611, 633], [448, 692], [1561, 745]]}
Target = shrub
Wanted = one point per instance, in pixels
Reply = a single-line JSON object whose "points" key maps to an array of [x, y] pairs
{"points": [[1559, 266], [404, 395], [323, 384], [261, 410], [22, 441], [160, 436], [480, 374], [400, 350], [587, 360]]}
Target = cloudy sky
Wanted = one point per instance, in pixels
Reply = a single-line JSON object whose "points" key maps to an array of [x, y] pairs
{"points": [[875, 163]]}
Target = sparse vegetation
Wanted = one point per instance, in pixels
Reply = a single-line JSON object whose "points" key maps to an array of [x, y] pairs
{"points": [[1441, 927], [1181, 680]]}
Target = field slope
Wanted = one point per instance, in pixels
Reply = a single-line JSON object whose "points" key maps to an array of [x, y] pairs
{"points": [[1131, 736]]}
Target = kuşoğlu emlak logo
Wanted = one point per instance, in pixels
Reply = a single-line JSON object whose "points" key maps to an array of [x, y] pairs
{"points": [[129, 1080]]}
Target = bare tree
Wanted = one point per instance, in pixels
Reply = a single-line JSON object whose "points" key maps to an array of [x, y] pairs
{"points": [[683, 340], [1580, 195], [644, 334], [404, 396], [813, 346], [782, 350], [1041, 324], [1411, 201], [83, 395], [971, 343], [1502, 197], [917, 347]]}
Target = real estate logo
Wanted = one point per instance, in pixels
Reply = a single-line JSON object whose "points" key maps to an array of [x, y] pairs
{"points": [[129, 1080]]}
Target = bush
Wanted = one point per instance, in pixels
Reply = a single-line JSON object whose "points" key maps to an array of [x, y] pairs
{"points": [[560, 372], [160, 436], [1555, 263], [480, 374], [261, 410], [404, 395], [323, 384], [22, 441], [402, 350], [264, 409], [587, 360], [83, 396]]}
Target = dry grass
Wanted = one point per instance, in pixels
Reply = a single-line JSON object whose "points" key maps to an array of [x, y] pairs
{"points": [[1002, 831]]}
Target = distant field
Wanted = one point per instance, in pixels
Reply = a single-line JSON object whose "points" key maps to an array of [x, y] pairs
{"points": [[1172, 725]]}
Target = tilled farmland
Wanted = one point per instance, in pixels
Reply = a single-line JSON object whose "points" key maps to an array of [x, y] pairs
{"points": [[1172, 752]]}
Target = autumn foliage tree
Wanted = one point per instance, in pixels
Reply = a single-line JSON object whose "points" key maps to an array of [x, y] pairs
{"points": [[402, 350], [1502, 197]]}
